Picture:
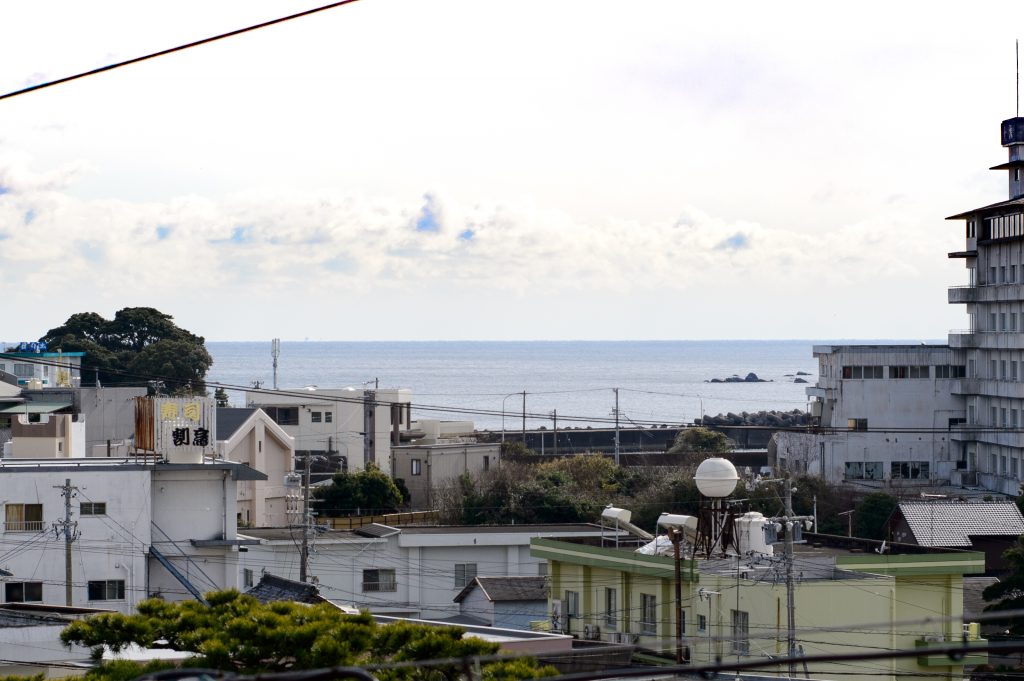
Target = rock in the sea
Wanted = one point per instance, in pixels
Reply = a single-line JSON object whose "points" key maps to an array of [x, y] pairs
{"points": [[802, 373], [799, 380]]}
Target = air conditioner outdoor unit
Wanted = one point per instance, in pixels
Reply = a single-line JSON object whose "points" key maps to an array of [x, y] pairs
{"points": [[558, 611], [591, 632]]}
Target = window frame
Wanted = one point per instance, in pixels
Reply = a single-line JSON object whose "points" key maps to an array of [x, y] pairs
{"points": [[24, 596], [464, 574], [611, 606], [101, 590], [385, 580], [92, 508], [25, 524], [648, 614], [740, 620]]}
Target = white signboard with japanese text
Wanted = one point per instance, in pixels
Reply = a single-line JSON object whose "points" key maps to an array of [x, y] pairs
{"points": [[185, 428]]}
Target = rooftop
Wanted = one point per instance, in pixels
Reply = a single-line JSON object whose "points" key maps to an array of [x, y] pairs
{"points": [[230, 419], [953, 523], [555, 530], [507, 588], [238, 471], [273, 588]]}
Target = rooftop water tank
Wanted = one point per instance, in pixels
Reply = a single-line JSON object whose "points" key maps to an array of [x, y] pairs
{"points": [[716, 477]]}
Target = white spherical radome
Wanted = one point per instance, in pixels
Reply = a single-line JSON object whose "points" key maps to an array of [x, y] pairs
{"points": [[716, 477]]}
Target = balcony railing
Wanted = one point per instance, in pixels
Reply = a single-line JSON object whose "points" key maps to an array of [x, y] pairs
{"points": [[24, 526]]}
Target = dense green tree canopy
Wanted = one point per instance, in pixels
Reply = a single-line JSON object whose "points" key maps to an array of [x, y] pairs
{"points": [[700, 440], [237, 633], [1008, 593], [138, 345], [366, 492]]}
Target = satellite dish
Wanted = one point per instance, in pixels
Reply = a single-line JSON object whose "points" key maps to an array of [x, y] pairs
{"points": [[716, 477]]}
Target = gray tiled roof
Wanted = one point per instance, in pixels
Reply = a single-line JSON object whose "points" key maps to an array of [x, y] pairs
{"points": [[273, 588], [230, 419], [952, 524], [508, 588]]}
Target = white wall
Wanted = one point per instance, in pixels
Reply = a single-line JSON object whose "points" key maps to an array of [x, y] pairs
{"points": [[111, 546]]}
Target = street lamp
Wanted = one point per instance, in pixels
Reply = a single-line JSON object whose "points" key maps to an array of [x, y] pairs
{"points": [[503, 400]]}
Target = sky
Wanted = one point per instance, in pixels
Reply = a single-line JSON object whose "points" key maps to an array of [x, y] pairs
{"points": [[468, 169]]}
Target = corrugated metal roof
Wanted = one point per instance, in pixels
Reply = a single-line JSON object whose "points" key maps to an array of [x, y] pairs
{"points": [[35, 408], [952, 524]]}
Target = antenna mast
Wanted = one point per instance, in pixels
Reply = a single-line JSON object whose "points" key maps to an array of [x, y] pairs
{"points": [[275, 352]]}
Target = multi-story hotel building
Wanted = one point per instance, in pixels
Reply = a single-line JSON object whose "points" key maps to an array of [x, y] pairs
{"points": [[928, 415], [993, 347]]}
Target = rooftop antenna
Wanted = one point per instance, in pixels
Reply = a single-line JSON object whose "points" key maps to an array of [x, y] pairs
{"points": [[275, 352], [1017, 44]]}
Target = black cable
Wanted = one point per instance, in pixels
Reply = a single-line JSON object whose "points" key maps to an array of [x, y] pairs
{"points": [[171, 50]]}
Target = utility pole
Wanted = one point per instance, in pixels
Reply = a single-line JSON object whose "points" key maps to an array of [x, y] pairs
{"points": [[69, 529], [790, 605], [554, 416], [304, 551], [524, 419], [616, 426]]}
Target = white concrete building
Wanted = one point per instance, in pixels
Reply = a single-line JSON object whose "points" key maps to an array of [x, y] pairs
{"points": [[250, 437], [139, 529], [965, 416], [993, 345], [412, 571], [348, 427], [887, 412]]}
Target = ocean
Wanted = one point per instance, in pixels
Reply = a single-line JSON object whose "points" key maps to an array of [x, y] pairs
{"points": [[659, 382]]}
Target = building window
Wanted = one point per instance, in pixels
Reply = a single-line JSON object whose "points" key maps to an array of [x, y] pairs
{"points": [[1013, 274], [857, 424], [572, 603], [1002, 417], [417, 466], [648, 615], [23, 517], [992, 274], [864, 470], [328, 416], [862, 371], [702, 623], [950, 371], [24, 370], [93, 508], [379, 580], [464, 574], [1013, 370], [1002, 274], [487, 463], [283, 416], [106, 590], [611, 607], [23, 592], [542, 569], [899, 372], [315, 416], [1002, 369], [1013, 321], [740, 632], [1013, 418], [247, 578], [909, 470], [919, 372], [995, 417]]}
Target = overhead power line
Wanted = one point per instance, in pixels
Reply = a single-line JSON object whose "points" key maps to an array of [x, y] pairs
{"points": [[171, 50]]}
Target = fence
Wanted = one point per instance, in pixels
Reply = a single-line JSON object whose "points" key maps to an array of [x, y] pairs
{"points": [[393, 519]]}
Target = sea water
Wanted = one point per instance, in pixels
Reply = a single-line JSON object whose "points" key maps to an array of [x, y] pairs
{"points": [[483, 381]]}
